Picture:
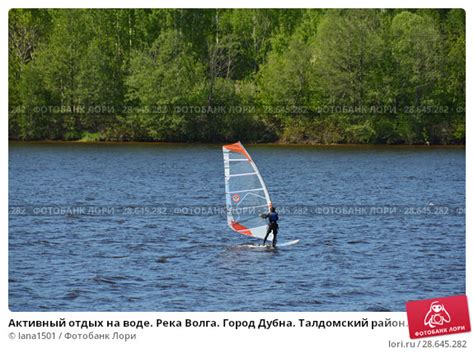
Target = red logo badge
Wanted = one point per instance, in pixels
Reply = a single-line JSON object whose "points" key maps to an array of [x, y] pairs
{"points": [[236, 197], [438, 316]]}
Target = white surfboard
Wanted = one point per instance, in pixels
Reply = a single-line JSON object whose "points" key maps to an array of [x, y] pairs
{"points": [[288, 243], [268, 245]]}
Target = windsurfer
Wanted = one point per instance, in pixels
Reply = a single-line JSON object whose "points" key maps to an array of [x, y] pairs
{"points": [[272, 226]]}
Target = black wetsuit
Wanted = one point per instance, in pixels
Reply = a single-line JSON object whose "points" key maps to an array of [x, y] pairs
{"points": [[272, 226]]}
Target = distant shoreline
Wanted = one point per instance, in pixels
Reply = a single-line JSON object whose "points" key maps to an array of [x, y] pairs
{"points": [[282, 144]]}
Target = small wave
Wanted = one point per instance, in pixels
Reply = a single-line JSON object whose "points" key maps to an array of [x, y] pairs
{"points": [[162, 285], [117, 256], [109, 279], [136, 247], [328, 242], [72, 295], [106, 256], [100, 279], [41, 242], [355, 292], [357, 242], [315, 302], [377, 308], [362, 277]]}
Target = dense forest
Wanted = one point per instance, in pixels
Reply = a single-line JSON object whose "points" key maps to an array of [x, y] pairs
{"points": [[256, 75]]}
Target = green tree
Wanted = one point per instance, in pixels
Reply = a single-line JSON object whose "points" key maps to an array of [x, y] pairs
{"points": [[416, 51], [286, 91], [27, 29], [167, 75]]}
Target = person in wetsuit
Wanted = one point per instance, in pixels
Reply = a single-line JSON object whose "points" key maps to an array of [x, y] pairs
{"points": [[272, 217]]}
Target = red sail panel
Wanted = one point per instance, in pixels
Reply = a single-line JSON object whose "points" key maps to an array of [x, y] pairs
{"points": [[240, 228]]}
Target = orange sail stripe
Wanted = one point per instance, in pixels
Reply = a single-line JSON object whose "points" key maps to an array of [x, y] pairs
{"points": [[240, 228], [237, 147]]}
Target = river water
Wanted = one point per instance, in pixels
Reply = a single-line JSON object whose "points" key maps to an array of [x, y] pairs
{"points": [[139, 227]]}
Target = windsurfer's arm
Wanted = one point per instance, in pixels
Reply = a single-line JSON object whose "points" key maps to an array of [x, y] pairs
{"points": [[264, 215]]}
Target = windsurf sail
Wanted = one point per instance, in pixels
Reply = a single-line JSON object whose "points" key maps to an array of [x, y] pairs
{"points": [[245, 192]]}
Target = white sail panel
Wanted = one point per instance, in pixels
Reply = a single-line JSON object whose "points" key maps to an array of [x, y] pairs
{"points": [[246, 194]]}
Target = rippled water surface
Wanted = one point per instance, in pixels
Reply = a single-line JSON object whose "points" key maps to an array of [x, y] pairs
{"points": [[165, 261]]}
